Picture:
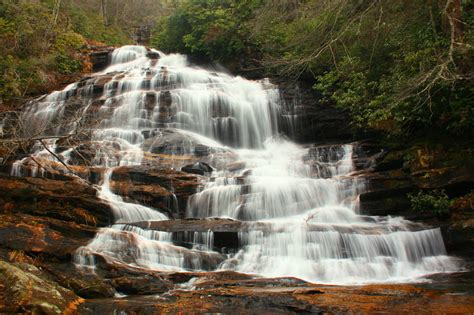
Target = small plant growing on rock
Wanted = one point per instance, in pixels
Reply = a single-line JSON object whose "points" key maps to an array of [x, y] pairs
{"points": [[436, 202]]}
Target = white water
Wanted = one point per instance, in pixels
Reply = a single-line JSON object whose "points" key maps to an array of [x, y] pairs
{"points": [[307, 197]]}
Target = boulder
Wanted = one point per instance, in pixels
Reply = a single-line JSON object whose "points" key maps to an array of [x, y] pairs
{"points": [[153, 55], [141, 285], [459, 237], [26, 289], [84, 283], [179, 142]]}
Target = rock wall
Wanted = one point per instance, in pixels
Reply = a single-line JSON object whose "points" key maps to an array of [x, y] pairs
{"points": [[306, 120], [395, 173]]}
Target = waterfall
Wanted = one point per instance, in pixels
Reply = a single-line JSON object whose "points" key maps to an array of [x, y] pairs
{"points": [[148, 102]]}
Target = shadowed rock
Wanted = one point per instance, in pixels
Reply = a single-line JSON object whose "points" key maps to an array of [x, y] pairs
{"points": [[164, 189], [199, 168]]}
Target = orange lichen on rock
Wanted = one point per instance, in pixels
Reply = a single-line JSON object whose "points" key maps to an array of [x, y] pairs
{"points": [[71, 308]]}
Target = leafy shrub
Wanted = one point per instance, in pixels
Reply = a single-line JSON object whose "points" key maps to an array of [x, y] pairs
{"points": [[216, 29], [436, 202], [69, 41], [67, 64]]}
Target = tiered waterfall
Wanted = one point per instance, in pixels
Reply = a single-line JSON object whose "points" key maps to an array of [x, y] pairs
{"points": [[299, 203]]}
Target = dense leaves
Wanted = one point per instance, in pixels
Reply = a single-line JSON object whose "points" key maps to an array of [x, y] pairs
{"points": [[216, 29], [436, 202], [403, 68], [42, 40]]}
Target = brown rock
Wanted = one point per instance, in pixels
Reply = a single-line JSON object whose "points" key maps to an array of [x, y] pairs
{"points": [[141, 285], [155, 187], [26, 289], [38, 235], [68, 200]]}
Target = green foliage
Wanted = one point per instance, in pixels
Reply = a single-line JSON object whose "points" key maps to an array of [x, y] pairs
{"points": [[67, 65], [91, 26], [215, 29], [408, 85], [37, 45], [436, 202], [66, 46], [69, 41], [391, 65], [170, 32], [9, 86]]}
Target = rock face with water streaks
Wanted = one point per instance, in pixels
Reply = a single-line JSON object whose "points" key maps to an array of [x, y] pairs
{"points": [[154, 177]]}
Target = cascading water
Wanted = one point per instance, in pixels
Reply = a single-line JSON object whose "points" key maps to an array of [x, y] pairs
{"points": [[305, 197]]}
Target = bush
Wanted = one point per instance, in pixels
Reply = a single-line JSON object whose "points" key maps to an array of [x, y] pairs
{"points": [[67, 64], [436, 202], [217, 29]]}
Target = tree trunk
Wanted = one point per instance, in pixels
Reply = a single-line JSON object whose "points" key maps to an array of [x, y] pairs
{"points": [[456, 13], [104, 11]]}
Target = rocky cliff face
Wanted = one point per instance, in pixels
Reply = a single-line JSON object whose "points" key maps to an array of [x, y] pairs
{"points": [[306, 120], [399, 172]]}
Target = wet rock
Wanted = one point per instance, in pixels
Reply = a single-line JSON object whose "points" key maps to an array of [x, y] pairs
{"points": [[390, 161], [307, 120], [199, 225], [457, 180], [165, 100], [99, 86], [84, 283], [150, 102], [395, 204], [173, 141], [109, 269], [387, 193], [153, 55], [222, 276], [26, 289], [100, 58], [164, 189], [142, 285], [199, 168], [459, 237], [235, 166], [224, 225], [279, 296], [68, 200], [39, 235], [397, 173]]}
